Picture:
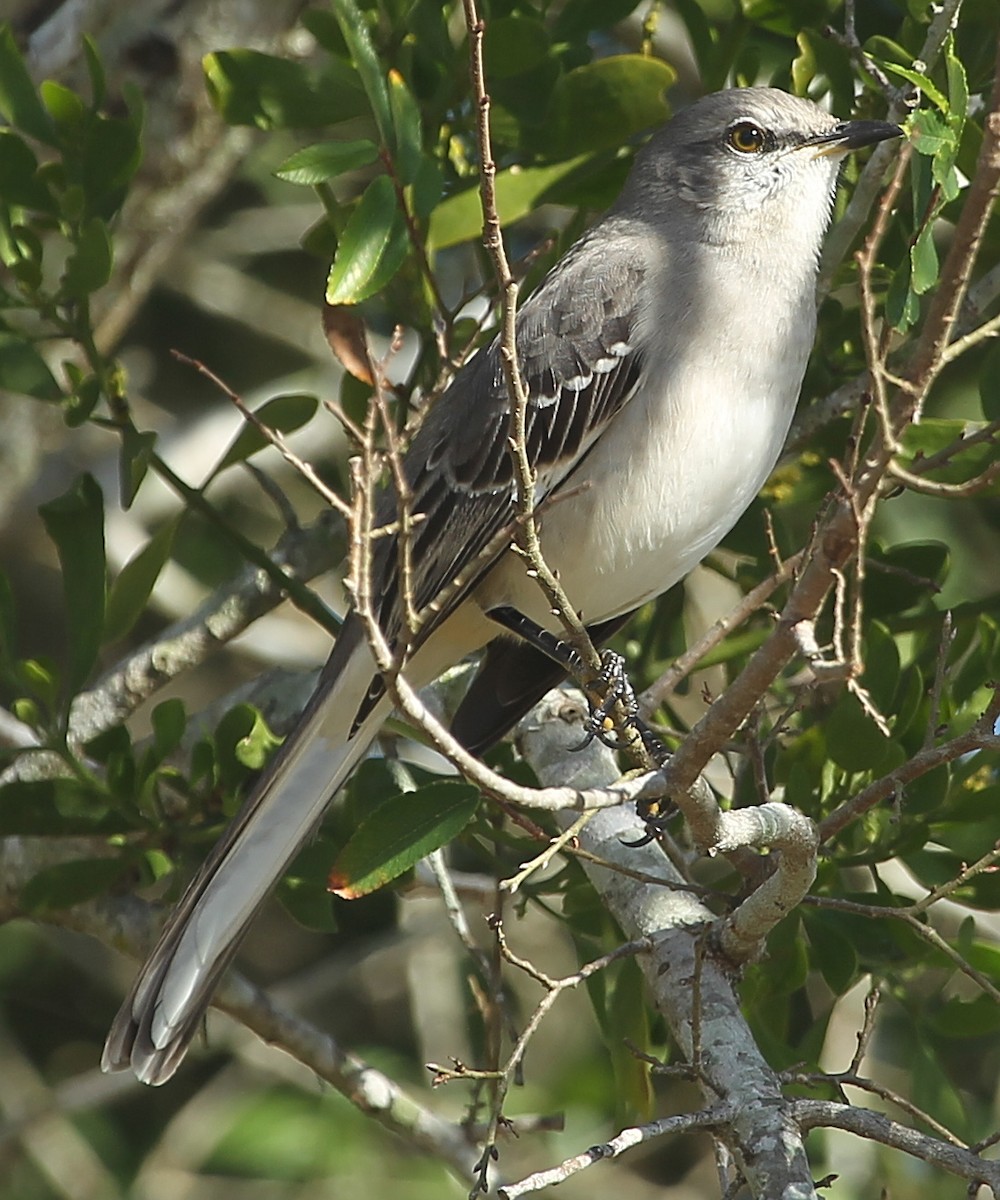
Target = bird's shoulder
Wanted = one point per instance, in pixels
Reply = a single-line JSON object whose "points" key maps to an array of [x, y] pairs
{"points": [[578, 353]]}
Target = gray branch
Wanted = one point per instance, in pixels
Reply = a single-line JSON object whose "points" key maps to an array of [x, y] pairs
{"points": [[877, 1127], [689, 987]]}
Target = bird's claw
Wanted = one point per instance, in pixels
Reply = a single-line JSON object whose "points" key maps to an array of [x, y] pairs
{"points": [[613, 684], [655, 817]]}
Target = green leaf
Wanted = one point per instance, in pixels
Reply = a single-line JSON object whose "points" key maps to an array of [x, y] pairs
{"points": [[326, 160], [69, 883], [881, 659], [626, 1029], [933, 1090], [111, 155], [958, 86], [930, 135], [910, 701], [513, 45], [354, 27], [19, 172], [60, 807], [251, 88], [853, 739], [23, 370], [303, 891], [427, 188], [372, 247], [65, 107], [21, 251], [832, 949], [257, 745], [169, 721], [930, 90], [976, 1018], [985, 957], [914, 570], [924, 261], [75, 523], [407, 133], [787, 959], [130, 592], [599, 106], [989, 382], [902, 308], [19, 102], [927, 793], [40, 678], [943, 434], [95, 70], [459, 218], [398, 833], [820, 57], [576, 20], [136, 454], [283, 414], [324, 28], [27, 712], [243, 743], [83, 399], [89, 266]]}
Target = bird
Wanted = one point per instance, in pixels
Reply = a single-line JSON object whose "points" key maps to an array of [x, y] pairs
{"points": [[662, 358]]}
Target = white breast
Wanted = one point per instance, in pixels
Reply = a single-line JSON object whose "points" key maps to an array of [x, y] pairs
{"points": [[678, 466]]}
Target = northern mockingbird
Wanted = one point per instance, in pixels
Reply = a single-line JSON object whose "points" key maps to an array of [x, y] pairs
{"points": [[663, 356]]}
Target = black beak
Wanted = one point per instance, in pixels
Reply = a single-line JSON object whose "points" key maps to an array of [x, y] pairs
{"points": [[852, 135]]}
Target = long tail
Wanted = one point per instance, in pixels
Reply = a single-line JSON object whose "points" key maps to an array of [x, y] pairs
{"points": [[163, 1011]]}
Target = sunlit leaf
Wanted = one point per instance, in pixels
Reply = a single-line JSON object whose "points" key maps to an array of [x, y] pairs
{"points": [[600, 105], [251, 88], [354, 28], [459, 218], [406, 128], [326, 160], [398, 833], [372, 247]]}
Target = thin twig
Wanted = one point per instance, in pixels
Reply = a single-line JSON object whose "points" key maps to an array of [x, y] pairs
{"points": [[685, 663], [842, 1079], [718, 1117], [980, 737], [270, 435]]}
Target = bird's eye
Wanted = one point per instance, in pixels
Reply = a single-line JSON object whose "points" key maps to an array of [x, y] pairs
{"points": [[746, 137]]}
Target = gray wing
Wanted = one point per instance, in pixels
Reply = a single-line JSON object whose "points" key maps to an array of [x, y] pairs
{"points": [[576, 340]]}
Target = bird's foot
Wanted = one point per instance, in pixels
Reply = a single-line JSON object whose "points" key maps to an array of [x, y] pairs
{"points": [[613, 686], [655, 816]]}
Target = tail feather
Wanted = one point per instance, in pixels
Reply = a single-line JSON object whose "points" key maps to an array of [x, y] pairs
{"points": [[164, 1009]]}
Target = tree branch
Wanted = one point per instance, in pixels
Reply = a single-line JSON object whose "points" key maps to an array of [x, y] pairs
{"points": [[705, 1021], [876, 1127]]}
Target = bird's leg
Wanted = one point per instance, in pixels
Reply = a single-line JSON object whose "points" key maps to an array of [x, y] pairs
{"points": [[611, 683], [556, 648]]}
